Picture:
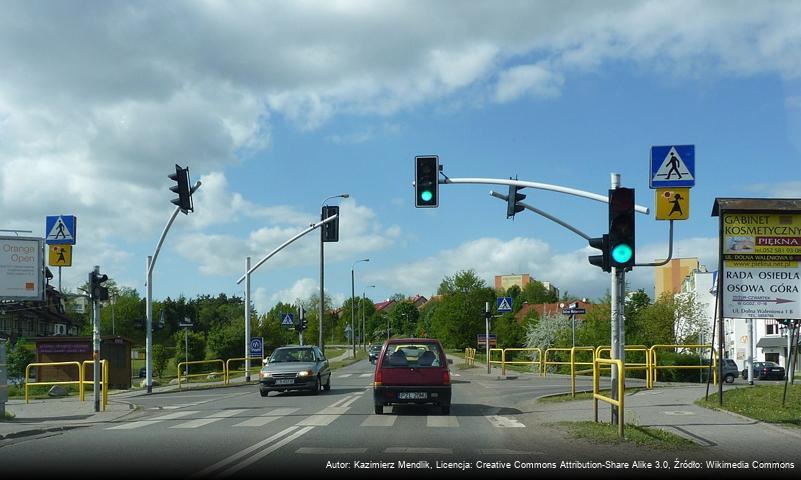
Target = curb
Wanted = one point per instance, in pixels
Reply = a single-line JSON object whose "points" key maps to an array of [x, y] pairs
{"points": [[770, 426]]}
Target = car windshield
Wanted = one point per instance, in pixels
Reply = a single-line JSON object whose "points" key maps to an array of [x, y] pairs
{"points": [[770, 364], [412, 355], [292, 355]]}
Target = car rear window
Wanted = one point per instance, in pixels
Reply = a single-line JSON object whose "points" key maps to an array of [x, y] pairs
{"points": [[400, 355], [292, 355]]}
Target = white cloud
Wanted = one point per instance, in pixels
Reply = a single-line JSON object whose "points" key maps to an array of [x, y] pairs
{"points": [[777, 190], [535, 80], [301, 289]]}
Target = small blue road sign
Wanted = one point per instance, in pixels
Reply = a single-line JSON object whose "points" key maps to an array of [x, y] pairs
{"points": [[287, 319], [504, 304], [672, 166], [60, 230], [257, 347]]}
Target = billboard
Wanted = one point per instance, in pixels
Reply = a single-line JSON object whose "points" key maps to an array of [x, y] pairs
{"points": [[21, 268]]}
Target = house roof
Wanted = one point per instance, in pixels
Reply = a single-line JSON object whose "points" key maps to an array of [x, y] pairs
{"points": [[550, 309], [384, 305], [772, 342]]}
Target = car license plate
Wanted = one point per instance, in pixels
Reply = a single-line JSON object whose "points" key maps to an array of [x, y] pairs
{"points": [[412, 395], [775, 370], [284, 381]]}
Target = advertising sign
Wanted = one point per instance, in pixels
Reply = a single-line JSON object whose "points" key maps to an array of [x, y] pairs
{"points": [[21, 268], [762, 265]]}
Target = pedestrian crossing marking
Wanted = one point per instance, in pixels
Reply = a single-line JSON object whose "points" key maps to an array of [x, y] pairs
{"points": [[441, 421], [345, 375], [503, 422], [364, 375], [214, 417], [419, 450], [268, 417], [379, 421], [153, 421], [318, 420]]}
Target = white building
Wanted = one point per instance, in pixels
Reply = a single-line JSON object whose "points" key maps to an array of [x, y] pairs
{"points": [[770, 337]]}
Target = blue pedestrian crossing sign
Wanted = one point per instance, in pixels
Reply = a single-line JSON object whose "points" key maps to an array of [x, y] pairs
{"points": [[672, 166], [60, 230], [257, 347], [504, 304], [287, 319]]}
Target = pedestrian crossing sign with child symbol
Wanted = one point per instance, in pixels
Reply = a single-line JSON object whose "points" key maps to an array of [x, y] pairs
{"points": [[672, 203]]}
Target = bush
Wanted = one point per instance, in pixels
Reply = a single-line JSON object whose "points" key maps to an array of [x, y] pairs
{"points": [[679, 375]]}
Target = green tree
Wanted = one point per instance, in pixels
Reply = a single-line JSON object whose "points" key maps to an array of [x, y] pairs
{"points": [[197, 346], [227, 340], [535, 292], [459, 317], [18, 359], [161, 356], [403, 319]]}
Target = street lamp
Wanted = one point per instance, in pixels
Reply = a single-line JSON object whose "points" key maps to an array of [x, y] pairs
{"points": [[352, 301], [361, 305], [322, 271]]}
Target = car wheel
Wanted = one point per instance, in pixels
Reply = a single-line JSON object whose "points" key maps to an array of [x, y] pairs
{"points": [[729, 378], [379, 409], [264, 392], [327, 385], [445, 409], [317, 386]]}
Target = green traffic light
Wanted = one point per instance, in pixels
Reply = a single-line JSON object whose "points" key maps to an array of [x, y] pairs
{"points": [[622, 253], [426, 195]]}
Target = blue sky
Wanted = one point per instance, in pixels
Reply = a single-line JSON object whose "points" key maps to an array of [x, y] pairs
{"points": [[276, 106]]}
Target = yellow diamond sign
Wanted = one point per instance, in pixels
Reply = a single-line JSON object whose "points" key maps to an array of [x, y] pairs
{"points": [[672, 203]]}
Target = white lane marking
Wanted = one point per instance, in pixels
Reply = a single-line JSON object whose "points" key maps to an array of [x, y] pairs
{"points": [[265, 452], [329, 451], [503, 422], [379, 421], [214, 417], [365, 375], [443, 451], [225, 461], [152, 421], [344, 375], [441, 421]]}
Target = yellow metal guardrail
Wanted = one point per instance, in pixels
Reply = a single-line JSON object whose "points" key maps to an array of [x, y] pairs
{"points": [[501, 361], [470, 356], [103, 380], [538, 361], [78, 382], [204, 374], [655, 366], [546, 362], [596, 389], [573, 364], [228, 370], [599, 352]]}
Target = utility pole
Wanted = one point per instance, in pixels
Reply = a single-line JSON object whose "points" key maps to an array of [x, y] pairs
{"points": [[487, 316], [247, 320]]}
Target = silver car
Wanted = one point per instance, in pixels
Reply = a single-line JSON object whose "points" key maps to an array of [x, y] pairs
{"points": [[295, 368]]}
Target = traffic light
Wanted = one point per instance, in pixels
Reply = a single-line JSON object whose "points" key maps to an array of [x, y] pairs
{"points": [[181, 177], [302, 323], [426, 181], [621, 228], [97, 291], [512, 206], [331, 229], [602, 260]]}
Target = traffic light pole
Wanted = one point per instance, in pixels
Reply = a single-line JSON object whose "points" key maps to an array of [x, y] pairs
{"points": [[96, 346], [248, 271], [151, 262]]}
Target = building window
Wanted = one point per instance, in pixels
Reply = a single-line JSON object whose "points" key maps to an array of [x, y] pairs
{"points": [[772, 357], [42, 329], [771, 329]]}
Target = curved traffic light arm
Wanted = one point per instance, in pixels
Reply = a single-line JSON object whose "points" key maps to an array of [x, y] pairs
{"points": [[544, 214], [164, 233], [540, 186], [669, 256]]}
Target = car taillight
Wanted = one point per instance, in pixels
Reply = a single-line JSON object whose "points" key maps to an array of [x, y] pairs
{"points": [[377, 379], [446, 377]]}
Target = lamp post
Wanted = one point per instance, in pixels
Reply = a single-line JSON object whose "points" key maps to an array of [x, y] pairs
{"points": [[322, 271], [352, 300], [361, 305]]}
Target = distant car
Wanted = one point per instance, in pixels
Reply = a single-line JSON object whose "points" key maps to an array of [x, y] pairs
{"points": [[766, 371], [295, 368], [373, 352], [730, 370], [143, 372], [412, 371]]}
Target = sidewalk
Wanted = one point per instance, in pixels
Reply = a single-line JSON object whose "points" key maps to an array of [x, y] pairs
{"points": [[57, 414]]}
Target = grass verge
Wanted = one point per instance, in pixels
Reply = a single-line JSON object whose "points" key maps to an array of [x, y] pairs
{"points": [[360, 355], [8, 416], [633, 434], [761, 402]]}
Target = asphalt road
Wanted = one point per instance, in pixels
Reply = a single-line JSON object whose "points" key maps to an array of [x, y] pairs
{"points": [[236, 432]]}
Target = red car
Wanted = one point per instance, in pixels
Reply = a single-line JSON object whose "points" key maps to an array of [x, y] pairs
{"points": [[412, 370]]}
